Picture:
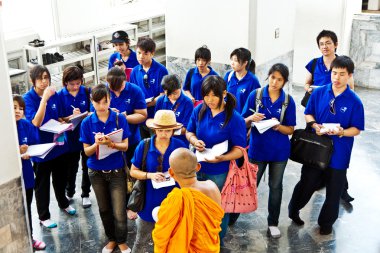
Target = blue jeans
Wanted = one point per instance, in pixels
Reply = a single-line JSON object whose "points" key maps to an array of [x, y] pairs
{"points": [[110, 191], [219, 180], [276, 173]]}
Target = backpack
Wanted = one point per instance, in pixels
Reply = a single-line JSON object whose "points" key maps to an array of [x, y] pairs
{"points": [[258, 103]]}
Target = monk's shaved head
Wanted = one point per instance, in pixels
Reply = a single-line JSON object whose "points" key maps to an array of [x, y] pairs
{"points": [[183, 163]]}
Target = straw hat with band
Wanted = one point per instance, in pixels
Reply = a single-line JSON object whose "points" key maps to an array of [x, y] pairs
{"points": [[163, 120]]}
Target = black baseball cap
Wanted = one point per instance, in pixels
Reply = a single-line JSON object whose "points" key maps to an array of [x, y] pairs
{"points": [[119, 37]]}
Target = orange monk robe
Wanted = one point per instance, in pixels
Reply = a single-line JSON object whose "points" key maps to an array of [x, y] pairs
{"points": [[188, 221]]}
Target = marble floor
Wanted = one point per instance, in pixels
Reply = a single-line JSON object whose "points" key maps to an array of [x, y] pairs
{"points": [[356, 229]]}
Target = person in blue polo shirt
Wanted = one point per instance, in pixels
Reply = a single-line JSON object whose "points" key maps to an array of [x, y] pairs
{"points": [[332, 103], [161, 145], [195, 76], [74, 99], [241, 80], [271, 148], [175, 100], [107, 175], [27, 135], [148, 76], [214, 122], [42, 104], [127, 99], [319, 73], [124, 57]]}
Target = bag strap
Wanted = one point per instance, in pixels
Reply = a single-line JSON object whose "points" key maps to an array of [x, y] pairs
{"points": [[259, 96], [191, 73], [245, 155], [145, 153], [284, 106], [230, 76], [87, 90], [313, 65]]}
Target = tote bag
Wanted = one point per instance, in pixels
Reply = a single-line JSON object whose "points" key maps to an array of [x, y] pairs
{"points": [[239, 193]]}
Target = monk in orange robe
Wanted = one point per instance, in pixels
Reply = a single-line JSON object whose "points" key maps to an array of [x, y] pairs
{"points": [[189, 218]]}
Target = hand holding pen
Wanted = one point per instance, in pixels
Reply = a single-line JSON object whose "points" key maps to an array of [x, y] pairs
{"points": [[256, 116]]}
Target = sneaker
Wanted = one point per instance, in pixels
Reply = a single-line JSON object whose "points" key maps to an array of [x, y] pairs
{"points": [[346, 197], [38, 245], [70, 210], [325, 230], [86, 202], [126, 250], [274, 232], [48, 223]]}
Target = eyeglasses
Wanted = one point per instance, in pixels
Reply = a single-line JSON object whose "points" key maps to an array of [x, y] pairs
{"points": [[160, 160], [327, 43], [332, 106], [146, 81]]}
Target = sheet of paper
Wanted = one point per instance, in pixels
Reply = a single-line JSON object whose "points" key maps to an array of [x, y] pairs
{"points": [[328, 127], [177, 132], [77, 119], [56, 127], [147, 100], [104, 151], [313, 87], [39, 150], [168, 182], [210, 153], [264, 125]]}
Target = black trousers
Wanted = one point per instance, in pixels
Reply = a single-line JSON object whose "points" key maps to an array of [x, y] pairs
{"points": [[72, 170], [310, 181], [57, 168], [29, 199]]}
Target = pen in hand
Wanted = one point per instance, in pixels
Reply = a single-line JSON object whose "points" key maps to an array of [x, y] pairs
{"points": [[252, 110]]}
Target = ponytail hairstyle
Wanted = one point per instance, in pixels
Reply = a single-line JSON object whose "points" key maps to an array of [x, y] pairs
{"points": [[217, 85], [116, 78], [244, 55]]}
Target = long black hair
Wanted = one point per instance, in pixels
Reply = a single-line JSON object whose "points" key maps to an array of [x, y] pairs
{"points": [[217, 85], [244, 55]]}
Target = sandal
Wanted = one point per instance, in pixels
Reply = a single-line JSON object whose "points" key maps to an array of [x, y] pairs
{"points": [[38, 245]]}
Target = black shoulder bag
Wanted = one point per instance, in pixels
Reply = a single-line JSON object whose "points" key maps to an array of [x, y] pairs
{"points": [[137, 199], [306, 97], [311, 149]]}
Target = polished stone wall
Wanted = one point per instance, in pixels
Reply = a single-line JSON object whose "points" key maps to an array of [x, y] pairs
{"points": [[14, 237], [180, 66], [365, 50]]}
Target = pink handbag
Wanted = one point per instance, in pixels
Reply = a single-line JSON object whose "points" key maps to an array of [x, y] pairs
{"points": [[239, 193]]}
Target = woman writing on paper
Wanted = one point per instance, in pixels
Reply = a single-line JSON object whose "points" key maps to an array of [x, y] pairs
{"points": [[74, 99], [273, 146], [42, 104], [107, 175], [214, 122], [161, 145]]}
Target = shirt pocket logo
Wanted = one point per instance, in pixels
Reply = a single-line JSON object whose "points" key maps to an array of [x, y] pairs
{"points": [[128, 101], [343, 109], [242, 90], [25, 140], [221, 124], [53, 107]]}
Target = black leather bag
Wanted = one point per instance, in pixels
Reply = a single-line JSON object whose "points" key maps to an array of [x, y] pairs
{"points": [[311, 149], [136, 200], [305, 99]]}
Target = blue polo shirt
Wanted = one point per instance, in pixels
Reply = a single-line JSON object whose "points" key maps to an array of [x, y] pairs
{"points": [[28, 135], [349, 112], [91, 125], [130, 63], [156, 72], [81, 101], [182, 108], [130, 99], [32, 102], [154, 197], [322, 75], [195, 84], [241, 88], [270, 146], [211, 131]]}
